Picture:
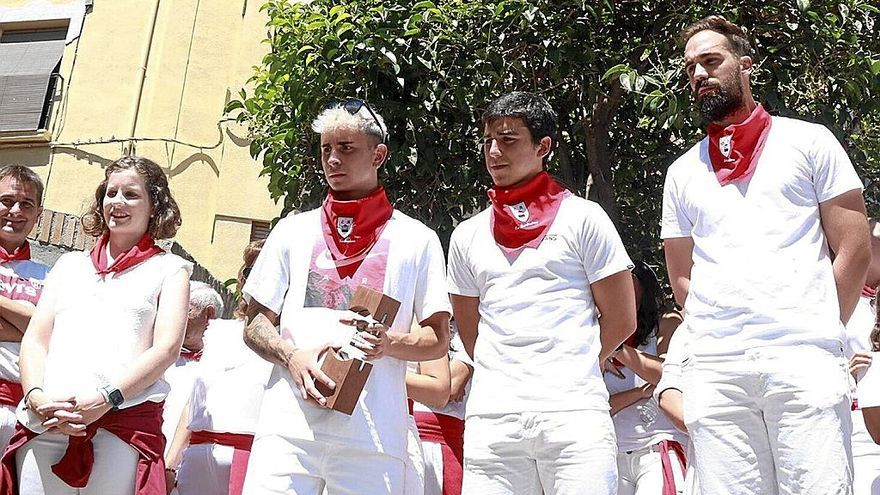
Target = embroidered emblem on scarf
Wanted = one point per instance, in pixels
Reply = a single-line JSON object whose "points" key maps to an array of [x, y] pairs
{"points": [[734, 150], [521, 216], [351, 228]]}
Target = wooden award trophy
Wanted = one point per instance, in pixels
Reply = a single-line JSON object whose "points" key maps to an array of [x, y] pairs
{"points": [[346, 366]]}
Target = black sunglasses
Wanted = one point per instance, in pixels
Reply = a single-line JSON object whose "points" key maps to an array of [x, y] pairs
{"points": [[353, 106]]}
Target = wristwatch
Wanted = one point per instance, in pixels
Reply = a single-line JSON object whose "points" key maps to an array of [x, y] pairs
{"points": [[113, 396]]}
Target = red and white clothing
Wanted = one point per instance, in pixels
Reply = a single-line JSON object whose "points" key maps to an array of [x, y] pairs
{"points": [[537, 352], [21, 281], [866, 453], [640, 429], [101, 326], [225, 403], [762, 301], [180, 378], [296, 277]]}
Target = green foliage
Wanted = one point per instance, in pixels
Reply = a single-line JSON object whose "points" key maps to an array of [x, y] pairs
{"points": [[612, 69]]}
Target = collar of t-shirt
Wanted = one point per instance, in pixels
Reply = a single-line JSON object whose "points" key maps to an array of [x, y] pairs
{"points": [[734, 149], [352, 227], [20, 253], [521, 216], [137, 254]]}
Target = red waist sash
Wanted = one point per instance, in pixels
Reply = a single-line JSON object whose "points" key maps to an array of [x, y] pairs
{"points": [[10, 393], [139, 426], [240, 442], [666, 463], [449, 433]]}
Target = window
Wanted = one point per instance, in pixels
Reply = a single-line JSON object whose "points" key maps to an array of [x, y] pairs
{"points": [[29, 64], [259, 230]]}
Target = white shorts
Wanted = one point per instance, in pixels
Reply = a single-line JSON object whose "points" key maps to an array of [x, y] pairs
{"points": [[565, 452], [205, 470], [288, 466], [775, 420], [640, 472], [113, 472]]}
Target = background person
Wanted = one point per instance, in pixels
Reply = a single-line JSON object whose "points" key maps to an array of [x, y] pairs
{"points": [[109, 324]]}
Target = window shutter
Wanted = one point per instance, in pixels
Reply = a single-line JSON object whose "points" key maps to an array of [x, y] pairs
{"points": [[27, 60]]}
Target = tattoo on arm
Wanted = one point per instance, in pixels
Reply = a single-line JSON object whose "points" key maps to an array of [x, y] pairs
{"points": [[260, 335]]}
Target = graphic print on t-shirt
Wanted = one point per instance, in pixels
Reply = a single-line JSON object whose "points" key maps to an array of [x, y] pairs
{"points": [[325, 289], [20, 289]]}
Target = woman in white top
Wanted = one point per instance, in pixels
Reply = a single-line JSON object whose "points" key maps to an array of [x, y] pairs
{"points": [[650, 458], [108, 325]]}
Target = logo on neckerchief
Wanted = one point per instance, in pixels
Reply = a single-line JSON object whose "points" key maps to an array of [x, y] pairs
{"points": [[344, 226], [724, 145], [520, 211]]}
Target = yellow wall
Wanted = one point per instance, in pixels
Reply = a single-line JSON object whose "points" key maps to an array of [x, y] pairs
{"points": [[200, 51]]}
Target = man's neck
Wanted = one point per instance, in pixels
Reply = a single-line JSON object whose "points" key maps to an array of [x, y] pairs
{"points": [[354, 195], [11, 246], [739, 115]]}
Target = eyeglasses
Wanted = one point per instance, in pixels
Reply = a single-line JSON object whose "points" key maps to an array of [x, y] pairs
{"points": [[353, 106]]}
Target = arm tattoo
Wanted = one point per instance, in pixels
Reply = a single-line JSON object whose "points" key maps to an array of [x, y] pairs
{"points": [[260, 335]]}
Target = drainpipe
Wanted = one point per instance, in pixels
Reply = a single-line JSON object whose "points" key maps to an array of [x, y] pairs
{"points": [[129, 150]]}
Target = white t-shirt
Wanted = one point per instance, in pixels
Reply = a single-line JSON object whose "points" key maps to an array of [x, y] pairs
{"points": [[642, 424], [103, 325], [229, 382], [295, 277], [21, 281], [180, 377], [538, 343], [762, 272]]}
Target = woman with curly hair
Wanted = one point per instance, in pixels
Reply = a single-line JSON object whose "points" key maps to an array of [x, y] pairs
{"points": [[108, 325], [650, 458]]}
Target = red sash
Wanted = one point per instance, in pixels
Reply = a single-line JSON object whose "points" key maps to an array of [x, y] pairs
{"points": [[22, 252], [137, 254], [10, 393], [666, 462], [521, 216], [734, 150], [351, 228], [240, 442], [139, 426], [191, 355], [449, 433]]}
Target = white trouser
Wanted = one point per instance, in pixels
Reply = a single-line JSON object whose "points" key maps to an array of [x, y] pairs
{"points": [[866, 475], [565, 452], [113, 472], [774, 420], [290, 466], [433, 453], [414, 477], [205, 470], [640, 472], [7, 425]]}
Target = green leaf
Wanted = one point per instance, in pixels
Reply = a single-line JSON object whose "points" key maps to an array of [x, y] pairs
{"points": [[617, 69]]}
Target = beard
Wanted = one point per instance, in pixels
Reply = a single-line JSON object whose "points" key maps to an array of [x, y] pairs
{"points": [[727, 99]]}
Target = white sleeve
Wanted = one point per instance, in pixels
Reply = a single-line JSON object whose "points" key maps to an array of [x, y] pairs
{"points": [[674, 221], [431, 296], [270, 276], [602, 252], [460, 277], [833, 172]]}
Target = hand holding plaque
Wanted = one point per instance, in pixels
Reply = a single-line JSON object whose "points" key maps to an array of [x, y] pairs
{"points": [[349, 366]]}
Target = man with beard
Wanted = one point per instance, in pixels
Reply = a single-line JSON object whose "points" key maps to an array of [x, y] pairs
{"points": [[752, 216]]}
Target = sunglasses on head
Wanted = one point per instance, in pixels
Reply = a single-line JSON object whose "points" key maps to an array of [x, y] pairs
{"points": [[353, 106]]}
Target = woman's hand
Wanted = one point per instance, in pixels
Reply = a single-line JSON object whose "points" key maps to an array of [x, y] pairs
{"points": [[91, 406], [58, 414], [859, 363]]}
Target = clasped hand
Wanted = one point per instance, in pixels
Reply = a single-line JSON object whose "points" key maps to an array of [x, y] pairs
{"points": [[68, 415]]}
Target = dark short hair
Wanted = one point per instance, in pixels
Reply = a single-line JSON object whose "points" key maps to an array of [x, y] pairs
{"points": [[249, 256], [532, 108], [165, 217], [25, 176], [736, 36]]}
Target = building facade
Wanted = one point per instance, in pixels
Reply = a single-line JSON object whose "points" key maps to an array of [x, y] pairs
{"points": [[83, 82]]}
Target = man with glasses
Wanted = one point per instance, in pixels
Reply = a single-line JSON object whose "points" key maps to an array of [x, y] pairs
{"points": [[308, 270]]}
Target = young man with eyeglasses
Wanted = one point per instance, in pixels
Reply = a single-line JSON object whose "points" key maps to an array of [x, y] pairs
{"points": [[766, 245], [308, 270], [542, 294]]}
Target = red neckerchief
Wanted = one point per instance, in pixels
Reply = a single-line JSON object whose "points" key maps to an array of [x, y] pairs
{"points": [[521, 216], [139, 426], [734, 150], [351, 228], [191, 355], [137, 254], [869, 292], [22, 252]]}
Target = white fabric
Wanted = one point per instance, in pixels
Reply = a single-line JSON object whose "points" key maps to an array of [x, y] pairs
{"points": [[413, 276], [113, 472], [8, 420], [676, 354], [640, 472], [762, 272], [21, 281], [433, 454], [563, 452], [538, 342], [229, 384], [866, 454], [642, 424], [204, 470], [180, 377], [280, 466], [414, 475], [775, 420], [103, 325]]}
